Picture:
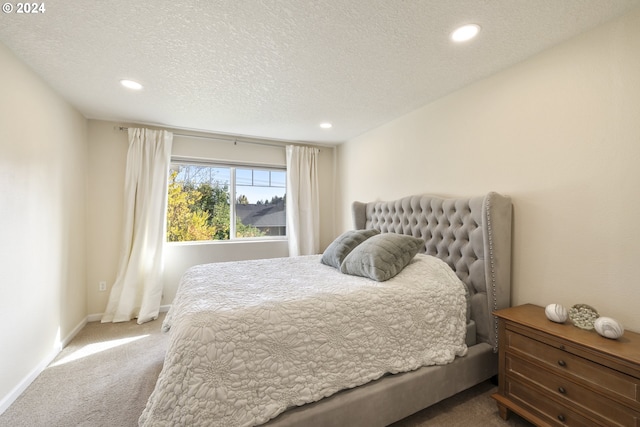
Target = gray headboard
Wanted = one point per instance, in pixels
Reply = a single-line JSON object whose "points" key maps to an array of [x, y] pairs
{"points": [[472, 235]]}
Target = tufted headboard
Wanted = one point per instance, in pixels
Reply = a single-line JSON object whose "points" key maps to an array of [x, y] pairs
{"points": [[472, 235]]}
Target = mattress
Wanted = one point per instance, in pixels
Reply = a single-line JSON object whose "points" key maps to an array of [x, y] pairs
{"points": [[250, 339]]}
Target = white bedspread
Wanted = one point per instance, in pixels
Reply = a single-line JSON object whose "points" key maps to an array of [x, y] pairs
{"points": [[249, 339]]}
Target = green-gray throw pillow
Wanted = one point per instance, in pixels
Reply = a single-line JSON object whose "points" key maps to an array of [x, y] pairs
{"points": [[338, 250], [382, 256]]}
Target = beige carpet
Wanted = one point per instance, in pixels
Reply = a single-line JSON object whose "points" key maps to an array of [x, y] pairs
{"points": [[105, 375]]}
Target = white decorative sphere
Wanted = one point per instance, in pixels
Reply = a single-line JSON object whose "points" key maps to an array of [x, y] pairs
{"points": [[556, 313], [608, 327]]}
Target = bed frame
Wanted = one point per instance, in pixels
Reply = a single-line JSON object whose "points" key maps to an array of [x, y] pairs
{"points": [[473, 235]]}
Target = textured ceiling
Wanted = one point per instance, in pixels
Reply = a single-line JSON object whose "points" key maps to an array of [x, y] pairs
{"points": [[277, 68]]}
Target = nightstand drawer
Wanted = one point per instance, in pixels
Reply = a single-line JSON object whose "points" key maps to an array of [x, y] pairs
{"points": [[581, 370], [545, 408], [600, 407], [555, 374]]}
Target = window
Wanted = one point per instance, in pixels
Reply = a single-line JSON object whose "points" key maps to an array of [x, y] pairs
{"points": [[199, 202]]}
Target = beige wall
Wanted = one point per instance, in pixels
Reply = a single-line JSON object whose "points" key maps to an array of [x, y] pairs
{"points": [[560, 134], [43, 152], [107, 162]]}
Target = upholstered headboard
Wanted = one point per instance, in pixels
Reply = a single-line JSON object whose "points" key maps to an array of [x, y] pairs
{"points": [[472, 235]]}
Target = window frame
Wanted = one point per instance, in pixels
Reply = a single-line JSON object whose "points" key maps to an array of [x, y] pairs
{"points": [[232, 196]]}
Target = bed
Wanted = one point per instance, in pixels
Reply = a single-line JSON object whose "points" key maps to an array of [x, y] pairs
{"points": [[258, 353]]}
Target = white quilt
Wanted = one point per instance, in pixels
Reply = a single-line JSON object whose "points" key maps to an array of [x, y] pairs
{"points": [[249, 339]]}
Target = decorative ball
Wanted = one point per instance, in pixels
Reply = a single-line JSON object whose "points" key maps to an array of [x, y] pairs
{"points": [[583, 316], [608, 327], [556, 313]]}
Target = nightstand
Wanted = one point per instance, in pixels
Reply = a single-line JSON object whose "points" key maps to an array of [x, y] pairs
{"points": [[556, 374]]}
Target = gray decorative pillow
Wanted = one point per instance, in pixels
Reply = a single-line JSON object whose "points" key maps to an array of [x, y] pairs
{"points": [[337, 251], [381, 257]]}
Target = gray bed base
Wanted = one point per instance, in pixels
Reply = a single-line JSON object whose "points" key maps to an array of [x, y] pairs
{"points": [[473, 235]]}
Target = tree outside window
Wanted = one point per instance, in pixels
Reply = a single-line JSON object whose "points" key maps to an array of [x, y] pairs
{"points": [[199, 202]]}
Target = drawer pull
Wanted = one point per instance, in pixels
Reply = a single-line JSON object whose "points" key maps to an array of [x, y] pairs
{"points": [[562, 363], [561, 418], [562, 390]]}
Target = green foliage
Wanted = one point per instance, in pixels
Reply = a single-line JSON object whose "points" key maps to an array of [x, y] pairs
{"points": [[185, 221], [202, 213], [215, 201], [247, 230], [274, 201]]}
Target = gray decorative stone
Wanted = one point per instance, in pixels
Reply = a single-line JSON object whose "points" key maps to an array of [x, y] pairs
{"points": [[608, 327], [556, 313]]}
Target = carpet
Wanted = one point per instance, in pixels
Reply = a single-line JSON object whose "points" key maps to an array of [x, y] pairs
{"points": [[107, 372]]}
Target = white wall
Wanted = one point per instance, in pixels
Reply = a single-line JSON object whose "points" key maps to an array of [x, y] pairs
{"points": [[107, 162], [560, 134], [43, 154]]}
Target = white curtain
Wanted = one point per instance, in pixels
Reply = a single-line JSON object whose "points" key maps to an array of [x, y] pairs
{"points": [[137, 290], [303, 200]]}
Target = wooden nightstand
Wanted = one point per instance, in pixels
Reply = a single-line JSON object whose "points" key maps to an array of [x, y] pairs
{"points": [[557, 374]]}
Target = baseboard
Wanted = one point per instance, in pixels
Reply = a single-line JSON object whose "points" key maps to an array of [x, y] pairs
{"points": [[94, 317], [26, 381], [22, 385], [72, 334], [7, 400]]}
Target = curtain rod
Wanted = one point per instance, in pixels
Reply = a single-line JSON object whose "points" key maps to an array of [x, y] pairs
{"points": [[234, 140]]}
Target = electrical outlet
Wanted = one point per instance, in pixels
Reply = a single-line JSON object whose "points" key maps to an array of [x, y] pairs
{"points": [[102, 286]]}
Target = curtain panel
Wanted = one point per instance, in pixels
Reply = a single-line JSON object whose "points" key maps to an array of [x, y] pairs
{"points": [[137, 290], [303, 200]]}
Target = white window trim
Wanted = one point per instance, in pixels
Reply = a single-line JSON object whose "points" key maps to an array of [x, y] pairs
{"points": [[232, 197]]}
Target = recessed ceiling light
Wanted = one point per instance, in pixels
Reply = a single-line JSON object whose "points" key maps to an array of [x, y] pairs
{"points": [[466, 32], [130, 84], [326, 125]]}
